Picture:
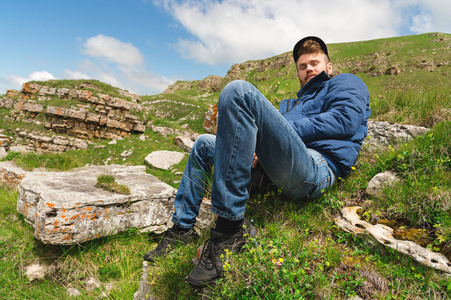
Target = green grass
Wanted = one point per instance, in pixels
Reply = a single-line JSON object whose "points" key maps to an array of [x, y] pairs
{"points": [[424, 108], [110, 260], [106, 154], [298, 252], [100, 87], [31, 160], [108, 183]]}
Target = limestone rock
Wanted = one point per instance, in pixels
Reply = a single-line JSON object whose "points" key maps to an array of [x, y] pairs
{"points": [[210, 119], [35, 271], [3, 153], [73, 292], [212, 83], [184, 142], [10, 174], [21, 149], [379, 181], [144, 293], [164, 159], [382, 236], [66, 207], [92, 283], [382, 134], [5, 141], [165, 131]]}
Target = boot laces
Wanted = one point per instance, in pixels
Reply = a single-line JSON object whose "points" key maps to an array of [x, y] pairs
{"points": [[208, 255]]}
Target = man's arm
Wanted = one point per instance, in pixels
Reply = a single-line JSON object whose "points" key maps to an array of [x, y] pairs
{"points": [[347, 101]]}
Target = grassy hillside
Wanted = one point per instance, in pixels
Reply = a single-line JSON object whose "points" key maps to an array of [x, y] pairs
{"points": [[298, 252]]}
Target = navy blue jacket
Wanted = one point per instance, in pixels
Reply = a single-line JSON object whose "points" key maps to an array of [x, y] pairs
{"points": [[331, 117]]}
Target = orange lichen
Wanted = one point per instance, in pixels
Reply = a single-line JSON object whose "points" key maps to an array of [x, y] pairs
{"points": [[50, 205]]}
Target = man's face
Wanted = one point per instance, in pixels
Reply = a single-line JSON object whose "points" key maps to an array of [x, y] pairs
{"points": [[311, 64]]}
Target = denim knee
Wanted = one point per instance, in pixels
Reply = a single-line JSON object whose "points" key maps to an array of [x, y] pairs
{"points": [[233, 91], [204, 140]]}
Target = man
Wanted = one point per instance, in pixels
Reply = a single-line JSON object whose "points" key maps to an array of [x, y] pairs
{"points": [[304, 148]]}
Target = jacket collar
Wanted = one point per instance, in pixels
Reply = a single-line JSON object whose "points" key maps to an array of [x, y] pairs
{"points": [[313, 84]]}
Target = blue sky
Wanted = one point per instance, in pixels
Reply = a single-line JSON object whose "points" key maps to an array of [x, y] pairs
{"points": [[145, 45]]}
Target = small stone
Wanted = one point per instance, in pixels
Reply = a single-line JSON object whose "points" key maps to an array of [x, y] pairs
{"points": [[35, 271], [92, 284], [73, 292], [184, 142], [379, 181], [3, 153], [164, 159]]}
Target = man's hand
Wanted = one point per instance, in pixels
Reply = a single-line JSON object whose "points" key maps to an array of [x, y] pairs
{"points": [[255, 162]]}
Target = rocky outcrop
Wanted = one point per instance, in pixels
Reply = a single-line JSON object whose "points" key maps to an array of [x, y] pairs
{"points": [[211, 83], [5, 143], [382, 134], [99, 115], [211, 119], [179, 85], [66, 207], [41, 143]]}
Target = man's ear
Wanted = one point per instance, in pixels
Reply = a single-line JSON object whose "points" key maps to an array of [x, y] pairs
{"points": [[329, 68]]}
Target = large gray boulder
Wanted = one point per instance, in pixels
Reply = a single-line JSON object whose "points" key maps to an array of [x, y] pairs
{"points": [[66, 207], [382, 134]]}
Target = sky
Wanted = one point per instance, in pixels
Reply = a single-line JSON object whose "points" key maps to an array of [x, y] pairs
{"points": [[143, 46]]}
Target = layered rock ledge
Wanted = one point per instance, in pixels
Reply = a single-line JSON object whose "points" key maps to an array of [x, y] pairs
{"points": [[66, 207]]}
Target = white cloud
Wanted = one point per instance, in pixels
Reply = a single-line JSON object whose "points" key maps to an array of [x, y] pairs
{"points": [[68, 74], [430, 15], [230, 31], [15, 82], [119, 64], [113, 50]]}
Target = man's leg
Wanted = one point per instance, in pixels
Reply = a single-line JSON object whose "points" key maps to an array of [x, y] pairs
{"points": [[188, 198], [193, 185], [248, 123]]}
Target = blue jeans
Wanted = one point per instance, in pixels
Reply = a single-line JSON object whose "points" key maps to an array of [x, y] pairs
{"points": [[247, 123]]}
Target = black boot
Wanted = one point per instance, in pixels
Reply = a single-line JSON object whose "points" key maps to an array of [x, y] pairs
{"points": [[172, 238], [214, 253]]}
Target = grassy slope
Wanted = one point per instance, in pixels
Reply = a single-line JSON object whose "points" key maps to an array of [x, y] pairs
{"points": [[298, 252]]}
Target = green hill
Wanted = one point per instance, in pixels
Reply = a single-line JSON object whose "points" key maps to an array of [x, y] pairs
{"points": [[298, 252]]}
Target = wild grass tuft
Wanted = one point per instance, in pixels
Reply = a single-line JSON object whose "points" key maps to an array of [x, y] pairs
{"points": [[424, 108], [108, 183], [51, 161]]}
